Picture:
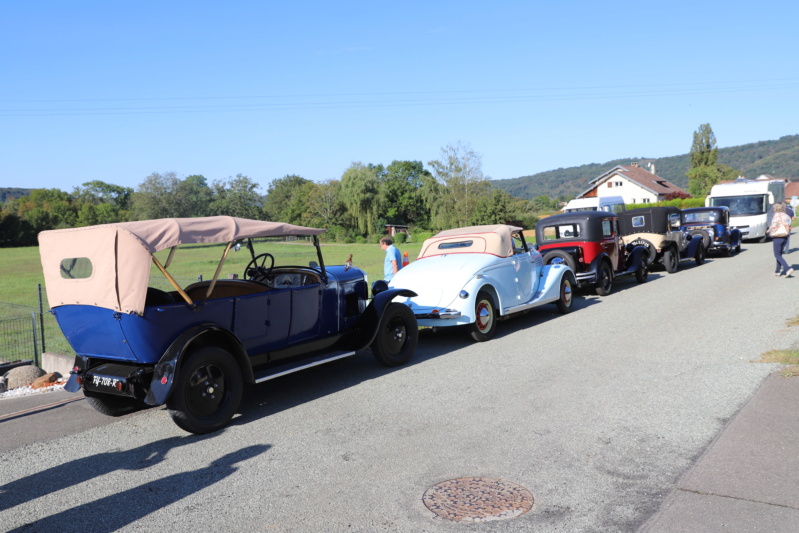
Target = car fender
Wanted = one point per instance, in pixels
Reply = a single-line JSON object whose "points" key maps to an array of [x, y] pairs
{"points": [[636, 258], [735, 237], [690, 250], [593, 267], [549, 284], [80, 365], [370, 319], [165, 371]]}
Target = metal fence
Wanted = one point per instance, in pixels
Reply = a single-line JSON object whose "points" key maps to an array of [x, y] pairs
{"points": [[21, 333], [27, 331]]}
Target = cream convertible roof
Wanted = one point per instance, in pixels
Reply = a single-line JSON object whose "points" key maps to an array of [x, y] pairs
{"points": [[115, 259], [495, 239]]}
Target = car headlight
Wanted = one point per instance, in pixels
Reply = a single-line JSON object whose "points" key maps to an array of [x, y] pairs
{"points": [[463, 295]]}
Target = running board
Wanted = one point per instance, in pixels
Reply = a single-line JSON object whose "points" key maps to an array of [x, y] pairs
{"points": [[288, 368]]}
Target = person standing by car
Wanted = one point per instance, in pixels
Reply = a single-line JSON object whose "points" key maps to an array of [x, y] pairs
{"points": [[779, 230], [393, 261]]}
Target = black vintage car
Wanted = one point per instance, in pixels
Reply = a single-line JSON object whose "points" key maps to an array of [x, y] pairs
{"points": [[589, 242], [713, 224], [658, 229]]}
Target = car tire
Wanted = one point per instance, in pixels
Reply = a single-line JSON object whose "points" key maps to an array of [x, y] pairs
{"points": [[207, 390], [111, 405], [485, 318], [641, 274], [671, 260], [566, 293], [700, 255], [568, 260], [705, 236], [604, 279], [397, 335], [651, 251]]}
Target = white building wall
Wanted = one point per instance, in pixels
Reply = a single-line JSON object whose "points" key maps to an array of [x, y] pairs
{"points": [[630, 191]]}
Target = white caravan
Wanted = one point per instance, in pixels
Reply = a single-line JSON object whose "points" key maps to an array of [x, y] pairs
{"points": [[750, 203], [611, 204]]}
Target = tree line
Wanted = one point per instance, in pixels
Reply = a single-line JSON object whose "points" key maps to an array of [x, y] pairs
{"points": [[451, 192]]}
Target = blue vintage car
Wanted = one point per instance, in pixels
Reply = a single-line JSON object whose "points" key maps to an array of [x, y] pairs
{"points": [[713, 224], [193, 346]]}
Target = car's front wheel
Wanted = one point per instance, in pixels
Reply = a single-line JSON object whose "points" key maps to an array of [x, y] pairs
{"points": [[700, 255], [485, 318], [397, 335], [604, 280], [111, 405], [641, 274], [671, 260], [207, 391], [566, 296]]}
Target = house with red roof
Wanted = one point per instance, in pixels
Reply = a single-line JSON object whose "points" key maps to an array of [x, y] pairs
{"points": [[634, 184]]}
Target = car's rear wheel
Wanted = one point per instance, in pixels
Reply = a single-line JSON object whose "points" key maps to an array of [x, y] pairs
{"points": [[485, 318], [397, 335], [559, 256], [111, 405], [700, 255], [207, 391], [604, 280], [671, 260], [566, 296]]}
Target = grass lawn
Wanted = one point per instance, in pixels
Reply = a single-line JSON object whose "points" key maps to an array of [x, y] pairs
{"points": [[21, 275]]}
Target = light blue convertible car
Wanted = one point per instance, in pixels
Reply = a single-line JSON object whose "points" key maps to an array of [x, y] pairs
{"points": [[472, 276]]}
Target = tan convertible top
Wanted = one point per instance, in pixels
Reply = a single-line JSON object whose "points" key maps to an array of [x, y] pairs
{"points": [[109, 265], [496, 239]]}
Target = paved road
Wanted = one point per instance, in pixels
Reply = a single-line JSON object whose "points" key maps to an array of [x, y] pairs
{"points": [[597, 413]]}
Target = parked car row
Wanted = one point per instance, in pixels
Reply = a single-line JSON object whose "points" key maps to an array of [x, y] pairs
{"points": [[194, 347], [600, 246]]}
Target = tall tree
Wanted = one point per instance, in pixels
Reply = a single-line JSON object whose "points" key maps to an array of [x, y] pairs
{"points": [[287, 199], [459, 185], [705, 169], [324, 206], [400, 184], [157, 197], [237, 197], [360, 193]]}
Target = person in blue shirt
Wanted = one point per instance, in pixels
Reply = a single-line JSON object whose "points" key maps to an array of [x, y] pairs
{"points": [[393, 262]]}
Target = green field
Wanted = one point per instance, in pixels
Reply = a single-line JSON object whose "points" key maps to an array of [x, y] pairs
{"points": [[21, 275]]}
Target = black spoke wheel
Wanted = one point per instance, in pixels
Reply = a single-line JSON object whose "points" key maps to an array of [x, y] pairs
{"points": [[566, 297], [397, 335], [111, 405], [641, 274], [485, 318], [604, 280], [700, 255], [207, 391], [670, 260], [257, 270]]}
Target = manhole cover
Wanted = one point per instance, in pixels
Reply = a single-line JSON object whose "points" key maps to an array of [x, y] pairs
{"points": [[478, 499]]}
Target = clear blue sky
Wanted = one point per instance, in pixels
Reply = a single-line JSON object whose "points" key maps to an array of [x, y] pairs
{"points": [[117, 90]]}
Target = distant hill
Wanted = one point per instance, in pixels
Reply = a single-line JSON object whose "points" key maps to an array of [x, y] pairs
{"points": [[8, 193], [777, 158]]}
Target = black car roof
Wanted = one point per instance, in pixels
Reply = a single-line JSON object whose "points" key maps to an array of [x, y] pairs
{"points": [[589, 222], [656, 219]]}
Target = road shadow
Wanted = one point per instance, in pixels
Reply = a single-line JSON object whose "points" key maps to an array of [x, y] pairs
{"points": [[118, 510]]}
